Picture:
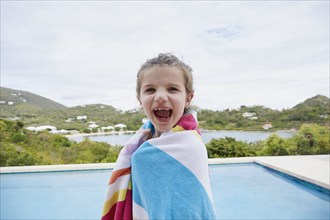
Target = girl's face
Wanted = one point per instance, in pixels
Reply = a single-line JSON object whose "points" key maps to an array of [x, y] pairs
{"points": [[163, 96]]}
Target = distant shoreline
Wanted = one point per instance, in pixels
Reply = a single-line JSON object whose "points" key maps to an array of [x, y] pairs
{"points": [[99, 134], [133, 132]]}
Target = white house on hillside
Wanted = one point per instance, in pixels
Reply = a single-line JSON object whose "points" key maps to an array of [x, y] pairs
{"points": [[92, 126], [41, 128], [82, 117], [267, 126], [52, 129], [108, 128], [69, 120], [120, 126], [250, 115], [62, 131]]}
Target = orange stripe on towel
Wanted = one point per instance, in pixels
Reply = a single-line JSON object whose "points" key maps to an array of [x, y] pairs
{"points": [[118, 173], [116, 197]]}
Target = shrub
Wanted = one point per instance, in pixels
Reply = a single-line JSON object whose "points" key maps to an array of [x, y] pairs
{"points": [[228, 147]]}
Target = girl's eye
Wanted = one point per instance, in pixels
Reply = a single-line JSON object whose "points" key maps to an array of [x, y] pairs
{"points": [[173, 89], [149, 90]]}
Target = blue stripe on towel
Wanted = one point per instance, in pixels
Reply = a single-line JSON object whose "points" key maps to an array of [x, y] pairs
{"points": [[167, 189]]}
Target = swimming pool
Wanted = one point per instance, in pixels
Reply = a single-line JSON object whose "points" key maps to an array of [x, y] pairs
{"points": [[241, 191], [251, 191]]}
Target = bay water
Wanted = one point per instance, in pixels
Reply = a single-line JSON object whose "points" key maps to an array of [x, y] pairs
{"points": [[248, 136]]}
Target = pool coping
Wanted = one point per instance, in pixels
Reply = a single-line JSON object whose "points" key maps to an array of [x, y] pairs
{"points": [[314, 169]]}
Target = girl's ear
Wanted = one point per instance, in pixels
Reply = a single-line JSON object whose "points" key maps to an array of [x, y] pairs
{"points": [[190, 96], [138, 98]]}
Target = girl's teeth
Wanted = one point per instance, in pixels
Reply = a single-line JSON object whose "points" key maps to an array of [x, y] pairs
{"points": [[163, 112]]}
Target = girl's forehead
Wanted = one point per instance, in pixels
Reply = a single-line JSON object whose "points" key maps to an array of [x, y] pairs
{"points": [[162, 72]]}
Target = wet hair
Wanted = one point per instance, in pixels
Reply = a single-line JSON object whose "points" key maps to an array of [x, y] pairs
{"points": [[170, 60]]}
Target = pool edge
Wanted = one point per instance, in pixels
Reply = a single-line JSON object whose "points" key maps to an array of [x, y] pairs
{"points": [[284, 164], [56, 168], [294, 174]]}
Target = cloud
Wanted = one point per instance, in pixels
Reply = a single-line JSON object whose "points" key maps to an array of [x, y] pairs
{"points": [[242, 53]]}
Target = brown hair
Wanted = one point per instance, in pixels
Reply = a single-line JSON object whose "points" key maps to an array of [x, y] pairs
{"points": [[171, 60]]}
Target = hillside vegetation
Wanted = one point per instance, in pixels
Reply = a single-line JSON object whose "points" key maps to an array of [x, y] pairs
{"points": [[25, 100], [310, 139], [34, 110], [313, 110], [20, 147]]}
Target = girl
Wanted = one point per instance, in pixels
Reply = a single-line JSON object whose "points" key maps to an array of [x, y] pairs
{"points": [[162, 172]]}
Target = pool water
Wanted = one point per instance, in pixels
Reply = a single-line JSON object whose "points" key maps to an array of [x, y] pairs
{"points": [[251, 191], [241, 191]]}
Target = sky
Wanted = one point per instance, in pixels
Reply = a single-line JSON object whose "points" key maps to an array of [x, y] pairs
{"points": [[269, 53]]}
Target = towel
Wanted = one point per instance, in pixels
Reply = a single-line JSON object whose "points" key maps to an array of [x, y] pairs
{"points": [[165, 177]]}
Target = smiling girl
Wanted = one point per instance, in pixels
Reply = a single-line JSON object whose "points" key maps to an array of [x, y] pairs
{"points": [[162, 172], [164, 89]]}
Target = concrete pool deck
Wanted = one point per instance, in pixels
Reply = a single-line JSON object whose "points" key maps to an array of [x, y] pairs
{"points": [[312, 168]]}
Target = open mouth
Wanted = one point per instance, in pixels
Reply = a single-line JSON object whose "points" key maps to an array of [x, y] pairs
{"points": [[163, 113]]}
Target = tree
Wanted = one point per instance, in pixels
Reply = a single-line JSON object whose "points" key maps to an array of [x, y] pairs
{"points": [[312, 139], [228, 147], [20, 147], [275, 146]]}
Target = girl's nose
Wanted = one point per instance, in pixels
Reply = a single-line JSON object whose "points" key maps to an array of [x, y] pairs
{"points": [[161, 96]]}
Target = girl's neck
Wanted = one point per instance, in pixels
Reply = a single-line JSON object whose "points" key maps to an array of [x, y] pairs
{"points": [[157, 134]]}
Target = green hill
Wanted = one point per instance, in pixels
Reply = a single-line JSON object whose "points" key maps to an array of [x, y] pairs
{"points": [[17, 101], [320, 101], [34, 110], [312, 110]]}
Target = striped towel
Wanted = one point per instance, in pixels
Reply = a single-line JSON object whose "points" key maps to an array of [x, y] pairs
{"points": [[161, 178]]}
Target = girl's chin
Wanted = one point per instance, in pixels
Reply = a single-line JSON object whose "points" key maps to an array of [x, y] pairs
{"points": [[162, 127]]}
